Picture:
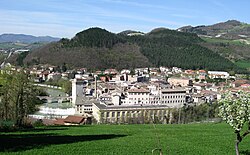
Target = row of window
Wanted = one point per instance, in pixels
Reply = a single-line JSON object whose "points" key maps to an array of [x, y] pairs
{"points": [[158, 102], [176, 101], [139, 93], [112, 114], [178, 96], [175, 96], [88, 109], [144, 98], [153, 102]]}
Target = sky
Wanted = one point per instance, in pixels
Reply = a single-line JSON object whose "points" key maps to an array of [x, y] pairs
{"points": [[65, 18]]}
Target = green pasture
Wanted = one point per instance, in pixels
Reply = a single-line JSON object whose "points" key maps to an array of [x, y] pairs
{"points": [[193, 139]]}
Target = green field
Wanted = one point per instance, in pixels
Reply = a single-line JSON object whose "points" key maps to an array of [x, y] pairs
{"points": [[225, 41], [193, 139], [243, 64]]}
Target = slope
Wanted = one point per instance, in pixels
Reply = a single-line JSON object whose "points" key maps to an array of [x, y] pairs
{"points": [[94, 48], [97, 48]]}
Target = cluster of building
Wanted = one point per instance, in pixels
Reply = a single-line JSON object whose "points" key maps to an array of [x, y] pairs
{"points": [[140, 95], [150, 94]]}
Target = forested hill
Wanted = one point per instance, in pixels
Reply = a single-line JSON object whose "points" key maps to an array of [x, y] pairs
{"points": [[94, 48], [98, 49]]}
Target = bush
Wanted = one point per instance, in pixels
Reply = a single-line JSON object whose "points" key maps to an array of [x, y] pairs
{"points": [[7, 126], [38, 123]]}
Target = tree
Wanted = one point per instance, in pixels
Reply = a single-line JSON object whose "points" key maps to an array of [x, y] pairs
{"points": [[66, 86], [235, 110], [18, 96], [64, 67]]}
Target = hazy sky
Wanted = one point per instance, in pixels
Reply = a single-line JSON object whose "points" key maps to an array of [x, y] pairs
{"points": [[64, 18]]}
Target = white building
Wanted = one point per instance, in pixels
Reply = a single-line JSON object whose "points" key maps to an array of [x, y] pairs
{"points": [[173, 97], [138, 97], [218, 74]]}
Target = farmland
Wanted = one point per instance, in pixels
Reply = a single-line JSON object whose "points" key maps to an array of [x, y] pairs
{"points": [[124, 139]]}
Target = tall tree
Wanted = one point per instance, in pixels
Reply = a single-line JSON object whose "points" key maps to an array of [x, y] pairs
{"points": [[18, 96]]}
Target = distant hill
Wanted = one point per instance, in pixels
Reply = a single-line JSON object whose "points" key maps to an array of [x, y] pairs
{"points": [[96, 48], [231, 29], [22, 38], [93, 48], [230, 39]]}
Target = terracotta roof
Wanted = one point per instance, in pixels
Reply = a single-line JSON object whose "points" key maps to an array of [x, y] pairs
{"points": [[241, 82], [74, 119], [59, 121], [202, 71], [245, 85]]}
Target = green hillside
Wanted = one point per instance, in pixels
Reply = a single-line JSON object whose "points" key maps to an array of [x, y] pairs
{"points": [[97, 48], [230, 39], [188, 139], [165, 47]]}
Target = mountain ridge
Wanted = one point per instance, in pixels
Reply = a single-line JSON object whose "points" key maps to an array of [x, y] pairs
{"points": [[231, 29], [24, 38]]}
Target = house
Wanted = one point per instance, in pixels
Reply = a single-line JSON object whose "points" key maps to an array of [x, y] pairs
{"points": [[125, 71], [218, 74], [202, 74], [154, 72], [189, 72], [245, 85], [176, 70], [54, 76], [238, 83], [111, 71], [198, 99], [164, 69]]}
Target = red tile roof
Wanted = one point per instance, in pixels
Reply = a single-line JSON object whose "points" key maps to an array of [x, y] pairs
{"points": [[74, 119], [59, 121]]}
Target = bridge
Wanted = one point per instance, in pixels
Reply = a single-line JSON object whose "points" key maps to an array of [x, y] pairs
{"points": [[58, 99]]}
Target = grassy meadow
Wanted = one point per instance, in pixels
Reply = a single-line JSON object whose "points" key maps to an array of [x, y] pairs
{"points": [[243, 64], [193, 139]]}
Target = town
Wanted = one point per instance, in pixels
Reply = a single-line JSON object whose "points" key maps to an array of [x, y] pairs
{"points": [[141, 95]]}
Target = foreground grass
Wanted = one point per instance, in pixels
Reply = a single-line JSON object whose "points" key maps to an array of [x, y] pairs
{"points": [[124, 139]]}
